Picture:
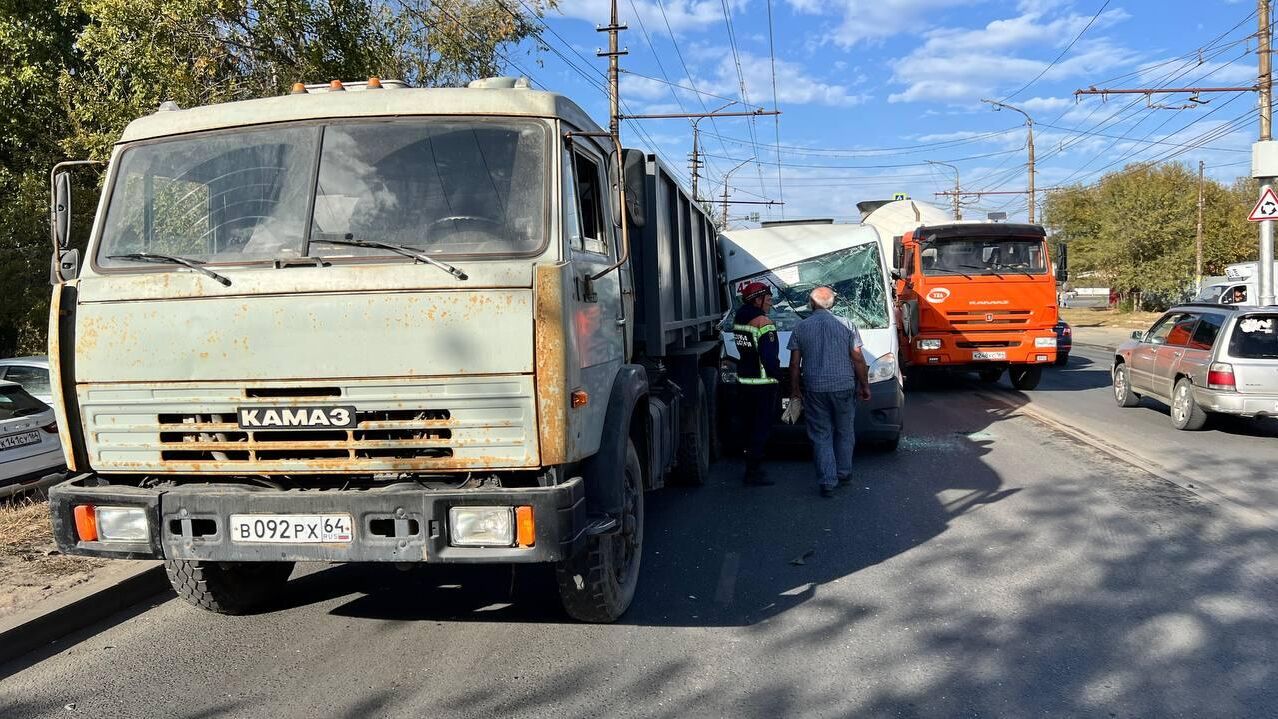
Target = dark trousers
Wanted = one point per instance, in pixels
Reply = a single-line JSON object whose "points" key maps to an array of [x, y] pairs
{"points": [[757, 411]]}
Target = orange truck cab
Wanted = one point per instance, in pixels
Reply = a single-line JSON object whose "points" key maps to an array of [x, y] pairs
{"points": [[977, 296]]}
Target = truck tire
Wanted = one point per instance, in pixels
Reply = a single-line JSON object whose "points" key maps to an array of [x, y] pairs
{"points": [[710, 380], [990, 375], [1026, 378], [598, 584], [1185, 412], [692, 465], [227, 587]]}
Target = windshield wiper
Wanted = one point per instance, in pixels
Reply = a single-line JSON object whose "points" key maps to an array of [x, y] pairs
{"points": [[947, 268], [983, 267], [406, 250], [24, 411], [196, 265]]}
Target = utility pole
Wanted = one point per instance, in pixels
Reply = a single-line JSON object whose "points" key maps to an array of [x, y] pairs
{"points": [[726, 177], [1029, 122], [1198, 241], [694, 164], [614, 85], [958, 189], [1264, 155]]}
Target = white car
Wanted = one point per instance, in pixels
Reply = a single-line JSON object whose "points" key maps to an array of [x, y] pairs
{"points": [[30, 453], [30, 372]]}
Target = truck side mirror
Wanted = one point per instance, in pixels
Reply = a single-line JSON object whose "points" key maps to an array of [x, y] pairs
{"points": [[631, 170], [1062, 263], [62, 210]]}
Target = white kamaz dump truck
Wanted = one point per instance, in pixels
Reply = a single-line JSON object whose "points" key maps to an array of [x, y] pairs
{"points": [[370, 323]]}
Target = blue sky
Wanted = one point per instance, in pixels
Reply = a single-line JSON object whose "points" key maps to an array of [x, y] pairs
{"points": [[872, 89]]}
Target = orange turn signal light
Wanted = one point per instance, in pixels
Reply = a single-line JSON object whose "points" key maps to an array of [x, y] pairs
{"points": [[580, 398], [86, 523], [374, 83], [525, 529]]}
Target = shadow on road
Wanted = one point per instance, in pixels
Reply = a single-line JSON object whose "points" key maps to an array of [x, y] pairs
{"points": [[720, 555]]}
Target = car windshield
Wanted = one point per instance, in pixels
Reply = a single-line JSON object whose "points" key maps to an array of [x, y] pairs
{"points": [[983, 256], [1209, 293], [1255, 337], [15, 402], [855, 274], [446, 186]]}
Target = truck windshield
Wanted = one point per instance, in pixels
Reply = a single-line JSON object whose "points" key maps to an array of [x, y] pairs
{"points": [[449, 186], [855, 274], [983, 256]]}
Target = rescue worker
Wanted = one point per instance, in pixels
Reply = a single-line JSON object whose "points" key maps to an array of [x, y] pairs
{"points": [[758, 375]]}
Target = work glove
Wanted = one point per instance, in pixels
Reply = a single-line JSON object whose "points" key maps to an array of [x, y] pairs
{"points": [[793, 411]]}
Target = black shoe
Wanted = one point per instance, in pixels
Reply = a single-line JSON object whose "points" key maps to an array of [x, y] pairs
{"points": [[827, 492], [845, 481]]}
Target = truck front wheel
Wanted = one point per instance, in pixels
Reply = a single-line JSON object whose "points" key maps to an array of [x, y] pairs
{"points": [[1026, 378], [598, 584], [227, 587]]}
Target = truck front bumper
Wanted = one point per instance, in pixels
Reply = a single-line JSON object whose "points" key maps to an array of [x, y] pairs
{"points": [[401, 522], [974, 351]]}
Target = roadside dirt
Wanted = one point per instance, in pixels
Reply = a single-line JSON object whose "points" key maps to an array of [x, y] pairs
{"points": [[31, 570], [1096, 317]]}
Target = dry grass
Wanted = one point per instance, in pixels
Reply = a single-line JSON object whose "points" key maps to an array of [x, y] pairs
{"points": [[26, 540], [1088, 317]]}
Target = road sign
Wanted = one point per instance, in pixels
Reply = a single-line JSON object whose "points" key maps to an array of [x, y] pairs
{"points": [[1266, 208]]}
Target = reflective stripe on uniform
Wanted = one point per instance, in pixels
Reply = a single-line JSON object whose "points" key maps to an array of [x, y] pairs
{"points": [[747, 339]]}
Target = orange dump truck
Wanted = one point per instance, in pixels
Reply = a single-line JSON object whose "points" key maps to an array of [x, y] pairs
{"points": [[977, 296]]}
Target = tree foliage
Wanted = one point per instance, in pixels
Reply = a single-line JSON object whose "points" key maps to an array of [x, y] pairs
{"points": [[1135, 229], [73, 73]]}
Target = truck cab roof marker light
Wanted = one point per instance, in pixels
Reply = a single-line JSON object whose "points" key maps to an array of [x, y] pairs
{"points": [[299, 88], [374, 83]]}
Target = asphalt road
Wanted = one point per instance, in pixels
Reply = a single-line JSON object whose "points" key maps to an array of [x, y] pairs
{"points": [[991, 567], [1232, 458]]}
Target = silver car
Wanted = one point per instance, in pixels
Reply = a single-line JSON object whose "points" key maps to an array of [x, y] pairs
{"points": [[1202, 359], [30, 372], [30, 453]]}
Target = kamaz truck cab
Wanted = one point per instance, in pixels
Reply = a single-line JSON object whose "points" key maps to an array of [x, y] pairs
{"points": [[376, 323]]}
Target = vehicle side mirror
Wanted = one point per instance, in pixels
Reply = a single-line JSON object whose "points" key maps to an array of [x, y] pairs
{"points": [[896, 274], [1138, 335], [634, 172], [62, 210], [67, 265], [1062, 263]]}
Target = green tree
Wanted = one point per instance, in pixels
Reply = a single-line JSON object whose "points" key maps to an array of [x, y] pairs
{"points": [[1134, 230]]}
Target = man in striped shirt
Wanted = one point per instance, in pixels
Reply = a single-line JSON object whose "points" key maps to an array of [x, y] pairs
{"points": [[828, 370]]}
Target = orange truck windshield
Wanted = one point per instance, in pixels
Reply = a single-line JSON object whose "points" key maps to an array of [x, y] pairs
{"points": [[983, 256]]}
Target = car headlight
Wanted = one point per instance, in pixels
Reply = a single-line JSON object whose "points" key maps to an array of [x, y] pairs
{"points": [[1044, 342], [929, 344], [883, 368]]}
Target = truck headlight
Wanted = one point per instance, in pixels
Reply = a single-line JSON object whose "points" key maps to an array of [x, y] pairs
{"points": [[122, 524], [883, 368], [481, 526], [929, 344], [1044, 342]]}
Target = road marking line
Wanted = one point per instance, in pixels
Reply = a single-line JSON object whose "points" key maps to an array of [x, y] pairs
{"points": [[728, 578]]}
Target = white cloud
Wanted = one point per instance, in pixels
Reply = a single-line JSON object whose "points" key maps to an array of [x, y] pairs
{"points": [[683, 15], [873, 20], [1045, 104], [794, 85], [962, 65]]}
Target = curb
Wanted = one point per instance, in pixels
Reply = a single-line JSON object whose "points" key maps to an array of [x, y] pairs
{"points": [[78, 608]]}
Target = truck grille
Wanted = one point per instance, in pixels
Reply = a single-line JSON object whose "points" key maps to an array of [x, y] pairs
{"points": [[965, 319], [459, 424]]}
